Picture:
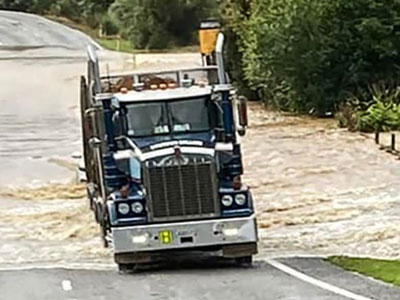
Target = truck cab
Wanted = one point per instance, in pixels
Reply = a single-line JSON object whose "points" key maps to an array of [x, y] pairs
{"points": [[163, 162]]}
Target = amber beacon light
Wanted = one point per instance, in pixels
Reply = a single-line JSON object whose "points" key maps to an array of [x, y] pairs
{"points": [[208, 33]]}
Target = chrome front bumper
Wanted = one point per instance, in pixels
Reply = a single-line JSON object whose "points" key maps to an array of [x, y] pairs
{"points": [[168, 236]]}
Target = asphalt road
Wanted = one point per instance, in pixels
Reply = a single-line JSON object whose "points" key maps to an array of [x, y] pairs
{"points": [[23, 31], [193, 280], [41, 62], [38, 121]]}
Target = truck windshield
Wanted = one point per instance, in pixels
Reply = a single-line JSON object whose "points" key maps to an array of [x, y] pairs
{"points": [[157, 118]]}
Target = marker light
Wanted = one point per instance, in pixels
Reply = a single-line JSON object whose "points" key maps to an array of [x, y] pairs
{"points": [[163, 86], [237, 183], [172, 85], [124, 192], [124, 90]]}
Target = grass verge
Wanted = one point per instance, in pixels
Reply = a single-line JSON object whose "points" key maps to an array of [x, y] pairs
{"points": [[385, 270], [117, 44]]}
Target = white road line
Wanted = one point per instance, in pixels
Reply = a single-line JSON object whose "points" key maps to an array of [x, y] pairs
{"points": [[82, 266], [315, 282], [66, 285]]}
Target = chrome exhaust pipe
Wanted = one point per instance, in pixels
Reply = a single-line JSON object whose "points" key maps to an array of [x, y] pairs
{"points": [[94, 69], [220, 59]]}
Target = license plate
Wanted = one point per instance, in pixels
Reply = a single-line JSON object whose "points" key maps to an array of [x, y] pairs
{"points": [[165, 237]]}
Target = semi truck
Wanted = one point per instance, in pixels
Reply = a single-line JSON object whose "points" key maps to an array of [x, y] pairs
{"points": [[163, 160]]}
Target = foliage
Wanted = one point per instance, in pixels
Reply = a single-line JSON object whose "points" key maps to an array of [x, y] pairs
{"points": [[310, 55], [234, 13], [161, 23], [116, 44], [386, 270], [377, 111], [383, 113], [379, 117], [18, 5]]}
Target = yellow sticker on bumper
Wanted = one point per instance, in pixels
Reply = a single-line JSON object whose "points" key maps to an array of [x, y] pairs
{"points": [[165, 237]]}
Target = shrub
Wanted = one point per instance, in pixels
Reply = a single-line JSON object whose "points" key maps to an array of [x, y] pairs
{"points": [[310, 55], [18, 5], [377, 111], [383, 112]]}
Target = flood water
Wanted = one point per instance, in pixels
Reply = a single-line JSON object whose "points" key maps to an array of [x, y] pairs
{"points": [[38, 119], [321, 190]]}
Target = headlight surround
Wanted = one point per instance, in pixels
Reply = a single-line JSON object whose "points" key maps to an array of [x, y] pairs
{"points": [[240, 199], [123, 208], [227, 200], [137, 207]]}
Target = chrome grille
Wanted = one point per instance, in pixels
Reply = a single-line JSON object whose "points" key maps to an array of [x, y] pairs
{"points": [[182, 191]]}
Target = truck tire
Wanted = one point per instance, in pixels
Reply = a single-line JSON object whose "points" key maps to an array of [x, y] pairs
{"points": [[97, 212], [127, 268], [245, 261]]}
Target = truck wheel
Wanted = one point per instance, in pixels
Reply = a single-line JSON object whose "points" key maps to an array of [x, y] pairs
{"points": [[103, 234], [96, 212], [90, 197], [245, 261], [127, 268]]}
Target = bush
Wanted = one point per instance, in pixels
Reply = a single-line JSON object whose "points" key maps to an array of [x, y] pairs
{"points": [[18, 5], [379, 111], [311, 55]]}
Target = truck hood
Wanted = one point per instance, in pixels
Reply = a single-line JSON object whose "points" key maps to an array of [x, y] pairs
{"points": [[147, 144]]}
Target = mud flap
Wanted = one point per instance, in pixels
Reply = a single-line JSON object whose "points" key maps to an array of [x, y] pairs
{"points": [[239, 250], [133, 258]]}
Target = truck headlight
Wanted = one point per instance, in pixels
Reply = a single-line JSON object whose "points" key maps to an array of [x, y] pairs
{"points": [[123, 208], [240, 199], [137, 207], [227, 200]]}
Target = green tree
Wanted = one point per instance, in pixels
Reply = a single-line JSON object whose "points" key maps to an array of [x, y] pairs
{"points": [[18, 5], [95, 13], [161, 23], [310, 55], [42, 6]]}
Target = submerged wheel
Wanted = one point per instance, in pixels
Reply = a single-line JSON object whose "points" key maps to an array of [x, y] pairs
{"points": [[245, 261], [127, 268]]}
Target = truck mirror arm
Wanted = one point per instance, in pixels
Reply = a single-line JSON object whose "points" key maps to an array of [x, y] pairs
{"points": [[90, 111], [135, 148], [95, 142]]}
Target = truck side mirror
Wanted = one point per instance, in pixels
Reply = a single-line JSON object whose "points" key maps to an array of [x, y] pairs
{"points": [[118, 124], [242, 113]]}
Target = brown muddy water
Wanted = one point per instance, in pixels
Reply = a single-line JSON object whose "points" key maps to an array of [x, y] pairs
{"points": [[321, 190]]}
